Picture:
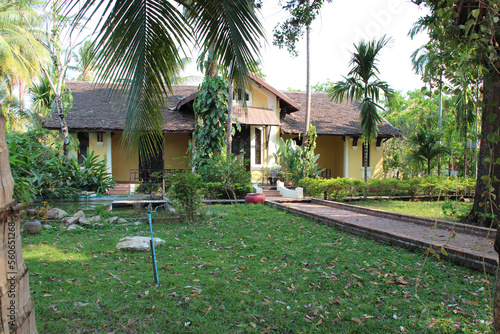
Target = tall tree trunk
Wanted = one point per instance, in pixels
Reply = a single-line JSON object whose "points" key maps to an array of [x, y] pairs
{"points": [[484, 206], [6, 181], [440, 121], [365, 164], [230, 112], [64, 126], [17, 313], [305, 140], [211, 69]]}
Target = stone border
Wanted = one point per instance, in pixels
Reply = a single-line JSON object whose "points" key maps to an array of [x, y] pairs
{"points": [[458, 227], [468, 259]]}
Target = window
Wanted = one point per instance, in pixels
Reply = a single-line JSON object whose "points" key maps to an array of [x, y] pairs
{"points": [[238, 98], [258, 146]]}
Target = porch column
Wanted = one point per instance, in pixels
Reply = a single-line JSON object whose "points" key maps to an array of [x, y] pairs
{"points": [[272, 145], [109, 156], [347, 144]]}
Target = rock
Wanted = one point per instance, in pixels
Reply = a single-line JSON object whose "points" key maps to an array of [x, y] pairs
{"points": [[83, 221], [47, 227], [122, 221], [98, 225], [137, 243], [33, 226], [56, 213], [95, 219], [74, 227], [31, 212], [79, 214], [71, 220], [111, 220]]}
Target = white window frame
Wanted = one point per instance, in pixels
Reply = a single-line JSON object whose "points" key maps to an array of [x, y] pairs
{"points": [[249, 102]]}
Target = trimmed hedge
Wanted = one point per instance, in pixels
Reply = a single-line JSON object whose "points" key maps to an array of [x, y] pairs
{"points": [[431, 185]]}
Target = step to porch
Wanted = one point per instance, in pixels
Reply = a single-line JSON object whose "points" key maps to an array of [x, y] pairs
{"points": [[271, 193], [119, 190]]}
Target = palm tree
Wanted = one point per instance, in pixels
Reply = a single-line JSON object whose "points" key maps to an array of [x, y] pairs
{"points": [[302, 14], [85, 61], [139, 42], [15, 63], [363, 84], [427, 147]]}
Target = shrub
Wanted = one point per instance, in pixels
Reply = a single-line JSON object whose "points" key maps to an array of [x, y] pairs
{"points": [[92, 174], [185, 193], [225, 175], [218, 190], [299, 162], [40, 170], [342, 187], [148, 187]]}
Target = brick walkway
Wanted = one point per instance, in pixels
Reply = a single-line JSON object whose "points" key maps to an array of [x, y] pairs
{"points": [[470, 246]]}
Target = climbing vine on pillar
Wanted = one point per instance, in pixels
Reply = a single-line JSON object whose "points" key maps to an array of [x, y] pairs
{"points": [[210, 110]]}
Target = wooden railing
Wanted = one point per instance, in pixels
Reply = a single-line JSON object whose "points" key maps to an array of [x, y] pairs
{"points": [[326, 173]]}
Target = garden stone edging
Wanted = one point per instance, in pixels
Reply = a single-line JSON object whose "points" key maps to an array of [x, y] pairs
{"points": [[468, 258], [464, 228]]}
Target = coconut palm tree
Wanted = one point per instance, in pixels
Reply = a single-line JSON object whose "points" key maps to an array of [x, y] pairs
{"points": [[363, 84], [139, 43], [15, 62], [85, 61]]}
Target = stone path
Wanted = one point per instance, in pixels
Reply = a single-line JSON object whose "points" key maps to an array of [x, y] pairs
{"points": [[470, 246]]}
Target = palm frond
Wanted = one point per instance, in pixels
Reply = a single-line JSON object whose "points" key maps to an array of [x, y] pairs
{"points": [[351, 89], [138, 46], [233, 29], [370, 118]]}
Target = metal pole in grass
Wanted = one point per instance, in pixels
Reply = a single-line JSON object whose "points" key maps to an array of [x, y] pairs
{"points": [[152, 243]]}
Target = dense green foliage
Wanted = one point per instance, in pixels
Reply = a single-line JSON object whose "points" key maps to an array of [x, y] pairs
{"points": [[343, 187], [419, 109], [40, 170], [298, 161], [268, 271], [225, 176], [184, 190], [210, 111]]}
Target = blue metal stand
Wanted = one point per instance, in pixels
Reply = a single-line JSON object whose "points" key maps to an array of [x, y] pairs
{"points": [[152, 243]]}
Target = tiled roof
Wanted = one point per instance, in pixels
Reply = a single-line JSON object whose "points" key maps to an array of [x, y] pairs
{"points": [[93, 109], [330, 118]]}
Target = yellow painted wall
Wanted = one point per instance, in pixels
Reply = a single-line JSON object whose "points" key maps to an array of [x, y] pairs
{"points": [[257, 175], [331, 151], [176, 145], [377, 161], [99, 151], [356, 160], [259, 99], [122, 162]]}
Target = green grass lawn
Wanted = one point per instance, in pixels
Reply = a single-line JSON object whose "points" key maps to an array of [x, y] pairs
{"points": [[270, 272], [445, 210]]}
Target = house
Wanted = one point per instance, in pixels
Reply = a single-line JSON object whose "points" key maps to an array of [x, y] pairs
{"points": [[97, 121]]}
